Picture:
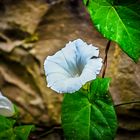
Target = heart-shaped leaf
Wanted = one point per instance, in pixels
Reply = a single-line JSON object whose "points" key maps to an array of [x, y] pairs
{"points": [[88, 114], [9, 132], [118, 20]]}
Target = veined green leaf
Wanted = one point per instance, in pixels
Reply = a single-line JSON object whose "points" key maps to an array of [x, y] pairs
{"points": [[88, 114], [9, 132], [118, 20]]}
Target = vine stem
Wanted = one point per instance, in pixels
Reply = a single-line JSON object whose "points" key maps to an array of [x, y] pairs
{"points": [[50, 131], [126, 103], [105, 58], [87, 2]]}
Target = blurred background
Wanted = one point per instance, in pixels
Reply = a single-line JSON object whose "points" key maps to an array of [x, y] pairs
{"points": [[30, 30]]}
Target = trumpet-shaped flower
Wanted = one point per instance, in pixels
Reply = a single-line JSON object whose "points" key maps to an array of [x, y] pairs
{"points": [[71, 67], [6, 107]]}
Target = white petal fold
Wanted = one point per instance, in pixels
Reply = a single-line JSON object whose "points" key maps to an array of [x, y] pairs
{"points": [[6, 107], [73, 66]]}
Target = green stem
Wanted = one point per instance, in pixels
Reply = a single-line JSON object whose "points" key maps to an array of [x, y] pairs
{"points": [[126, 103]]}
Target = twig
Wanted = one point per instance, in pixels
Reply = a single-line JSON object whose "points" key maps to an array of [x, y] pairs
{"points": [[105, 59], [126, 103], [50, 131], [87, 2], [4, 37]]}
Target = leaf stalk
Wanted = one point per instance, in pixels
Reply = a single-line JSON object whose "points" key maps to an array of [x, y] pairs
{"points": [[105, 58]]}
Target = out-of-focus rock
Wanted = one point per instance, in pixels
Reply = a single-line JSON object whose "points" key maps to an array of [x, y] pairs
{"points": [[19, 70], [21, 16], [125, 88]]}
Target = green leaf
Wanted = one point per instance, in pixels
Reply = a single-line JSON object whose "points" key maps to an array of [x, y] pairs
{"points": [[88, 114], [9, 132], [118, 20], [22, 132]]}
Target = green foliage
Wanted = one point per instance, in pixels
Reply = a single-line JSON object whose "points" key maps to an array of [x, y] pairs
{"points": [[88, 114], [10, 132], [118, 20]]}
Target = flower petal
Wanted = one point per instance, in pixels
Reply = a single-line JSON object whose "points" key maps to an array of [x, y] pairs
{"points": [[86, 51], [67, 86], [69, 52], [91, 69], [54, 67], [72, 66], [6, 107], [65, 58], [58, 77]]}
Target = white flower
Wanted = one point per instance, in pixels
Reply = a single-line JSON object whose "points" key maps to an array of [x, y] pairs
{"points": [[72, 66], [6, 107]]}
